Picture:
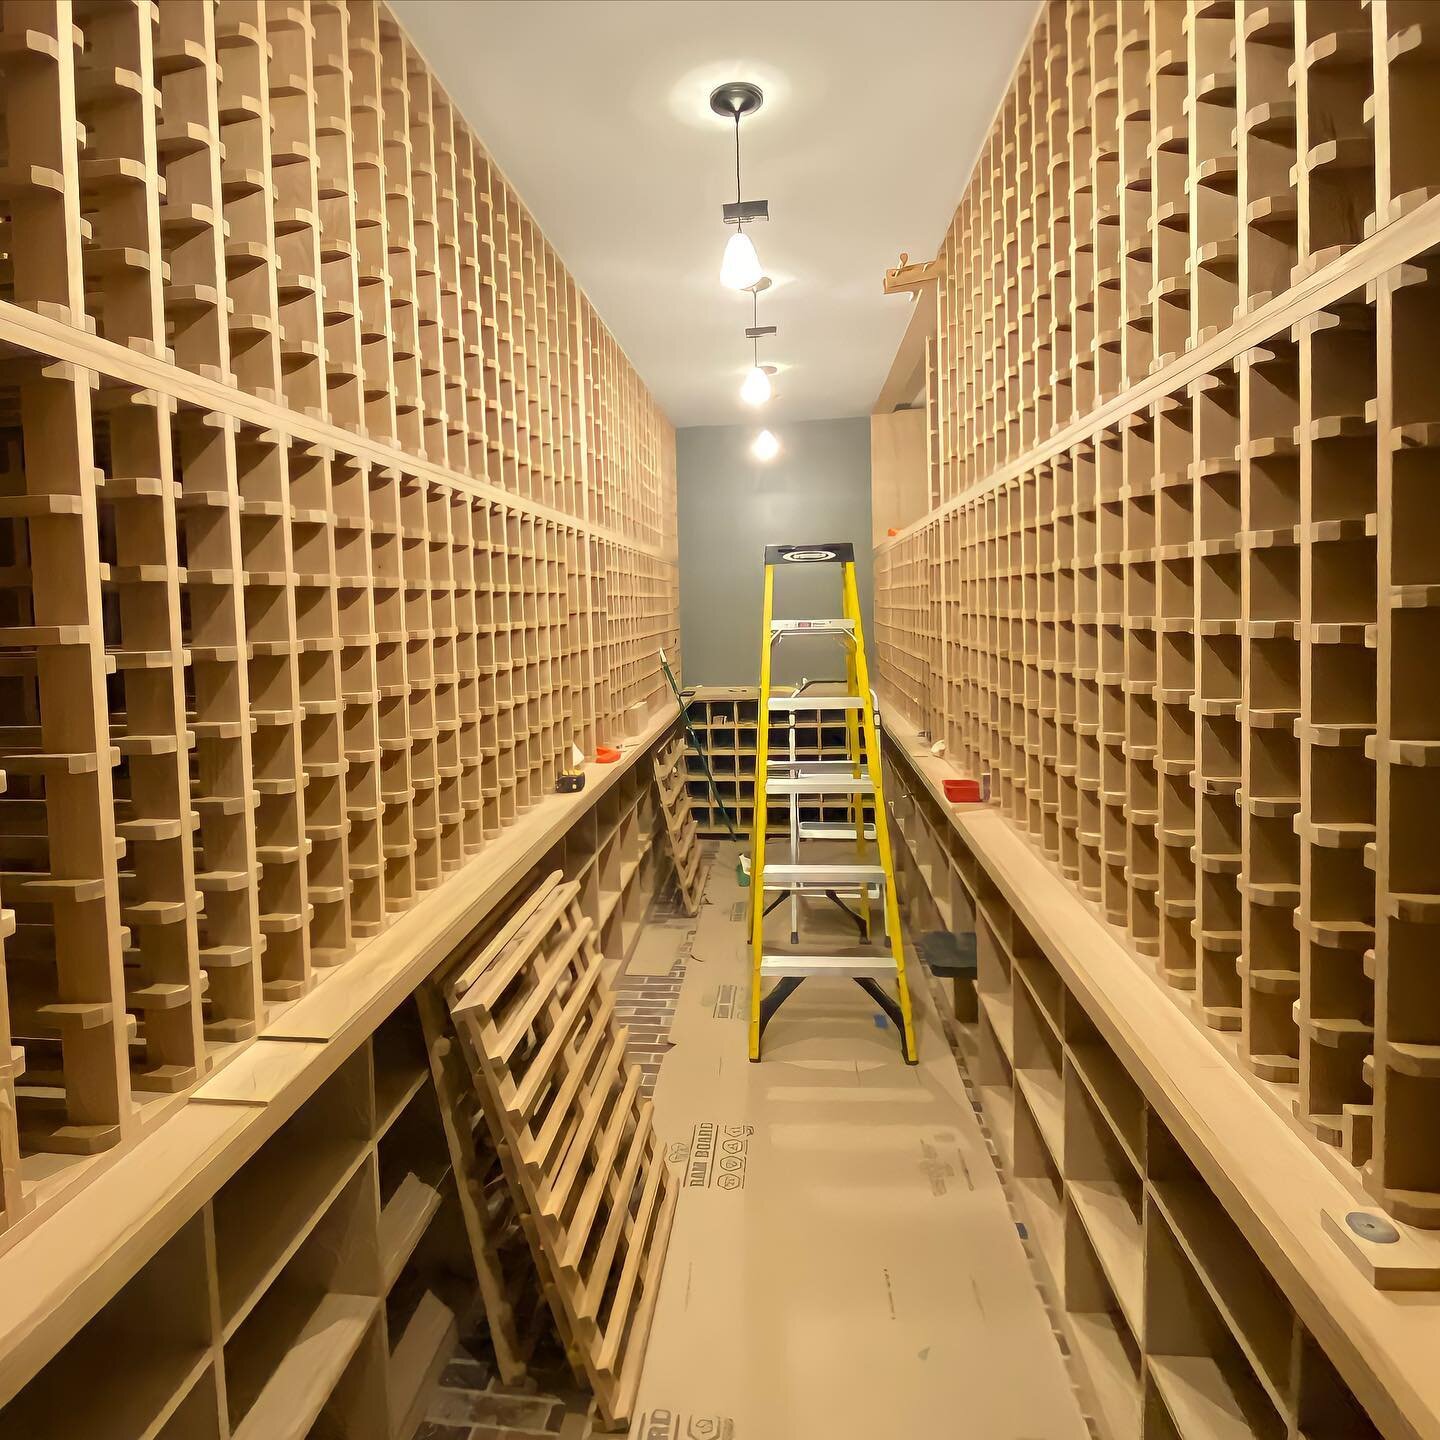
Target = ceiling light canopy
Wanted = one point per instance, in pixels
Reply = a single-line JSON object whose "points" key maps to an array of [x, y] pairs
{"points": [[740, 268], [765, 446]]}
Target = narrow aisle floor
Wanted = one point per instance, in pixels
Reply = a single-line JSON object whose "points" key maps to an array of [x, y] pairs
{"points": [[843, 1262]]}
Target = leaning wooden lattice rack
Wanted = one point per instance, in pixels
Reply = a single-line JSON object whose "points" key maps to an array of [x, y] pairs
{"points": [[536, 1018], [680, 823]]}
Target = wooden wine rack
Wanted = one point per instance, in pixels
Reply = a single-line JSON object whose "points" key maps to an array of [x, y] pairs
{"points": [[1179, 580], [724, 720], [1178, 1329], [290, 1253], [331, 516], [321, 1286]]}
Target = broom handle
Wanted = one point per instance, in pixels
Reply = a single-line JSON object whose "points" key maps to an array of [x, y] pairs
{"points": [[698, 748]]}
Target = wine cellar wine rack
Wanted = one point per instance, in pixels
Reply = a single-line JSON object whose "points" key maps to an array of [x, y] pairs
{"points": [[724, 721], [1175, 1325], [331, 518], [1179, 575]]}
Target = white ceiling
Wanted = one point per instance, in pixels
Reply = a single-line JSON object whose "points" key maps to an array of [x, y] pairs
{"points": [[598, 112]]}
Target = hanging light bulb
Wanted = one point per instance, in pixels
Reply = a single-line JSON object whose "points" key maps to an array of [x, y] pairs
{"points": [[740, 268], [765, 446], [756, 389]]}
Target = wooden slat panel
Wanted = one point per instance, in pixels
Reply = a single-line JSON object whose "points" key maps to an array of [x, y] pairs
{"points": [[549, 1060]]}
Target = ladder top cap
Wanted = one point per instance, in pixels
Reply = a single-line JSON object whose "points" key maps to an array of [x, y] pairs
{"points": [[828, 552]]}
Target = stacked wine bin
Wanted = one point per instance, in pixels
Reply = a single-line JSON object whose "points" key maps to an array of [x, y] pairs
{"points": [[724, 721], [1178, 593], [331, 518]]}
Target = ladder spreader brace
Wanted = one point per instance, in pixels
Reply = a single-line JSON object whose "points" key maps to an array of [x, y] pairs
{"points": [[857, 778]]}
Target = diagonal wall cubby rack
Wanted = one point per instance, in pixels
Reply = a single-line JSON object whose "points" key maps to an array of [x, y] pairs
{"points": [[1178, 578], [331, 516]]}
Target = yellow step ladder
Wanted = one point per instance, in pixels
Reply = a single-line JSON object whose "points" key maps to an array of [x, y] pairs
{"points": [[856, 778]]}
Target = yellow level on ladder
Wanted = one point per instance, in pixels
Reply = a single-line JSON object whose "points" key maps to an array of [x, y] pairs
{"points": [[857, 778]]}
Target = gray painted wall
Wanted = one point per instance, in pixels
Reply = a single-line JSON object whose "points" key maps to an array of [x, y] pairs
{"points": [[731, 507]]}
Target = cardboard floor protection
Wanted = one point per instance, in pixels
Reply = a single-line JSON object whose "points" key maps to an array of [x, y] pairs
{"points": [[659, 945], [843, 1263]]}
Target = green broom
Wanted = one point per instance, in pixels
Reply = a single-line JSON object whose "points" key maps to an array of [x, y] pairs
{"points": [[742, 868]]}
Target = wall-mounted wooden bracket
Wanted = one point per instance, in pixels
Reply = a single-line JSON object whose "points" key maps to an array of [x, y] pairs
{"points": [[908, 279]]}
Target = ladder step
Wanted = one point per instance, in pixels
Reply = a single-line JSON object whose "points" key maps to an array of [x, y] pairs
{"points": [[831, 830], [844, 892], [812, 767], [848, 964], [811, 627], [817, 702], [821, 785], [822, 877]]}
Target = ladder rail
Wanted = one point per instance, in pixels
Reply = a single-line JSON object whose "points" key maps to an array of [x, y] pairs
{"points": [[882, 823], [757, 843], [794, 836], [852, 746]]}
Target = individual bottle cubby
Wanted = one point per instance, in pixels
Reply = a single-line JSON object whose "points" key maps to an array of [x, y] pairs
{"points": [[1039, 1187], [1266, 117], [1170, 162], [1135, 180], [1338, 687], [1217, 699], [1404, 35], [1176, 1328], [1103, 1186], [1082, 139], [1106, 165], [1334, 173], [1213, 183]]}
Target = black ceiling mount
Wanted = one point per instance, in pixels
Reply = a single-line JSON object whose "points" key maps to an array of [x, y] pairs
{"points": [[736, 98], [737, 211]]}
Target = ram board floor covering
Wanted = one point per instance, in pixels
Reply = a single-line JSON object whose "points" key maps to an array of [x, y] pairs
{"points": [[843, 1263]]}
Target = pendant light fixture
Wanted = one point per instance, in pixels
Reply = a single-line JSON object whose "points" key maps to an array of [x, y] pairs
{"points": [[757, 390], [740, 267], [765, 446]]}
